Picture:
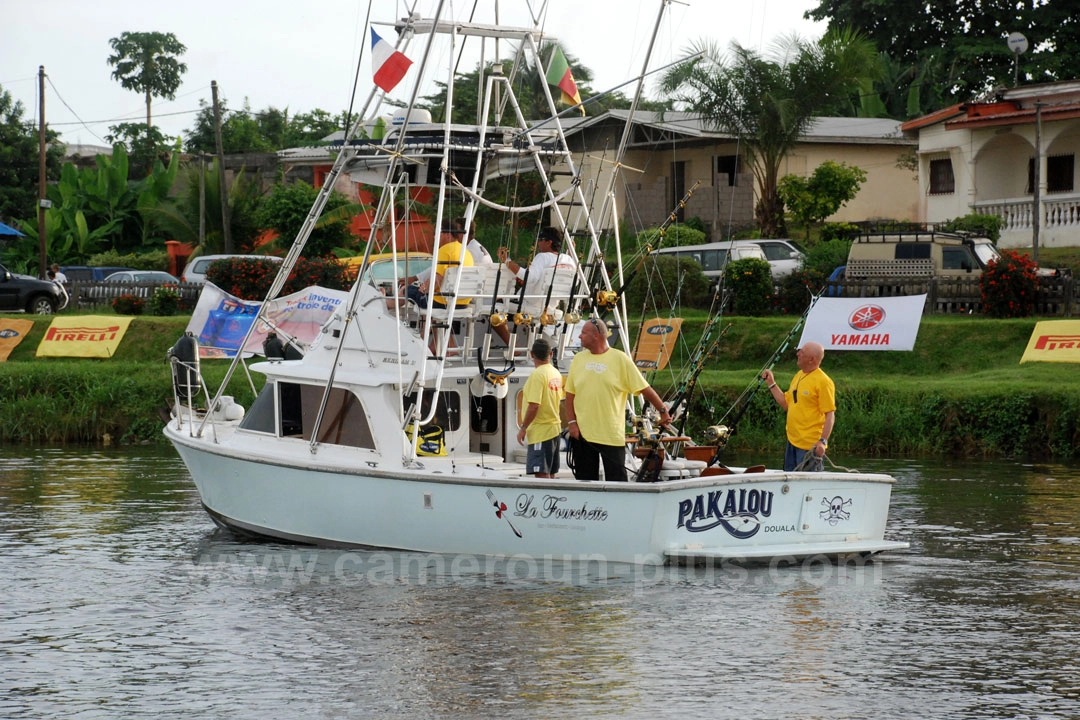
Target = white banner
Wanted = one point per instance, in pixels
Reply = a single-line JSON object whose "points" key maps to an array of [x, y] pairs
{"points": [[889, 323], [220, 321]]}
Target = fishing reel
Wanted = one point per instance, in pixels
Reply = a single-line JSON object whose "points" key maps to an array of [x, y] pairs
{"points": [[717, 435], [606, 299], [547, 318], [497, 319], [522, 318], [572, 317]]}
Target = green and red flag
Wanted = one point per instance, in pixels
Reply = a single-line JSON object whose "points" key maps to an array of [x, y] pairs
{"points": [[558, 74]]}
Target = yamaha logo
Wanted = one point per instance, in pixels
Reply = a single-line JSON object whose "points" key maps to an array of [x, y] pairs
{"points": [[867, 317]]}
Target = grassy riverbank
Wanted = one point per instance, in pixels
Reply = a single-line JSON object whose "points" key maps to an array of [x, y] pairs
{"points": [[961, 391]]}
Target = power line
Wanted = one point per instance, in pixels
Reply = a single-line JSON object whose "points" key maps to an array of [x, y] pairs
{"points": [[61, 97], [119, 119]]}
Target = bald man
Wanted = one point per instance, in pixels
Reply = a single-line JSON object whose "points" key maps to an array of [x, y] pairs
{"points": [[810, 403]]}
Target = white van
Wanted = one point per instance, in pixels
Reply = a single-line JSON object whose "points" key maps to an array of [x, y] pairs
{"points": [[195, 271], [714, 256], [784, 256]]}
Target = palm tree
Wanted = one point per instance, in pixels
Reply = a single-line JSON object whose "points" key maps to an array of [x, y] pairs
{"points": [[146, 62], [769, 102]]}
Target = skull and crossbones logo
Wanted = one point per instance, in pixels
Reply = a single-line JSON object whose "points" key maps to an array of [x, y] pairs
{"points": [[835, 510]]}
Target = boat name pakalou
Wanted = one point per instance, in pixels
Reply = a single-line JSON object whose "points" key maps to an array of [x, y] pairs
{"points": [[549, 507], [739, 507]]}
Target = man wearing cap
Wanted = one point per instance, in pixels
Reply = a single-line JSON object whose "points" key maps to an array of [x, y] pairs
{"points": [[450, 255], [810, 403], [548, 254], [599, 381]]}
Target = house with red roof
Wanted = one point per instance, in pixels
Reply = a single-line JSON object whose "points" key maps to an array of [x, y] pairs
{"points": [[1013, 155]]}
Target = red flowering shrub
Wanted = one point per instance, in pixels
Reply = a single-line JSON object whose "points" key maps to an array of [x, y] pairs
{"points": [[795, 291], [1009, 286], [250, 278], [128, 305]]}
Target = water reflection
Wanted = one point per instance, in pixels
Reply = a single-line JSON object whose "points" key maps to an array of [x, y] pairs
{"points": [[122, 600]]}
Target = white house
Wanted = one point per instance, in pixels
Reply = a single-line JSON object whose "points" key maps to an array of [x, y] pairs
{"points": [[980, 157]]}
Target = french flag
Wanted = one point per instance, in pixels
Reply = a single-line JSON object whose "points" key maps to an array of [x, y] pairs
{"points": [[389, 65]]}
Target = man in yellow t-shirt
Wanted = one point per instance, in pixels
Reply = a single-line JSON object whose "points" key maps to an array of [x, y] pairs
{"points": [[450, 255], [597, 386], [542, 394], [810, 404]]}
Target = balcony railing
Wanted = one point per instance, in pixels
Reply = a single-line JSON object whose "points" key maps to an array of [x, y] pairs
{"points": [[1060, 210]]}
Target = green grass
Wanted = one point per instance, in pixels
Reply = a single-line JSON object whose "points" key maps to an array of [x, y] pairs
{"points": [[961, 391]]}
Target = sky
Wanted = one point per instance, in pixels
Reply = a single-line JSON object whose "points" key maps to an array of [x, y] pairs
{"points": [[303, 55]]}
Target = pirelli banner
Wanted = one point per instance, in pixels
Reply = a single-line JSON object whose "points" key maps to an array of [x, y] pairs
{"points": [[1054, 341], [887, 323], [83, 336]]}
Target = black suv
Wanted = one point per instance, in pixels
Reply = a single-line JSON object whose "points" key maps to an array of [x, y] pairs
{"points": [[22, 292]]}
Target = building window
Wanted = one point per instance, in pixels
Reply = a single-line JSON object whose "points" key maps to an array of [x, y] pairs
{"points": [[941, 177], [1059, 174], [728, 165]]}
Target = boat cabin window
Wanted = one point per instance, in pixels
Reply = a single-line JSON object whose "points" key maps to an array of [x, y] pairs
{"points": [[344, 421], [260, 416], [447, 412]]}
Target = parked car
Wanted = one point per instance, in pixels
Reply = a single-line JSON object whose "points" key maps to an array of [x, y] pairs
{"points": [[195, 272], [85, 273], [140, 283], [714, 256], [784, 256], [919, 254], [25, 293]]}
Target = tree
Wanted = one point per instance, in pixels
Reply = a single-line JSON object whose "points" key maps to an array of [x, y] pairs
{"points": [[769, 102], [19, 161], [955, 49], [147, 63], [261, 131], [178, 216], [817, 197], [286, 208], [528, 85], [144, 144]]}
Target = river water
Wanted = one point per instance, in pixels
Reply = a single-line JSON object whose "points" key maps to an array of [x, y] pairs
{"points": [[121, 600]]}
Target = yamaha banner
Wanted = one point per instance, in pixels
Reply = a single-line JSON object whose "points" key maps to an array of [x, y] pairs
{"points": [[890, 323]]}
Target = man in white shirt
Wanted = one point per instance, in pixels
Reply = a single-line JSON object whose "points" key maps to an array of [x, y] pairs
{"points": [[546, 255]]}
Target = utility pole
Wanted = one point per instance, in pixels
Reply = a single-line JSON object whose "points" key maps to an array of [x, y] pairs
{"points": [[42, 202], [225, 228], [1036, 190], [202, 198]]}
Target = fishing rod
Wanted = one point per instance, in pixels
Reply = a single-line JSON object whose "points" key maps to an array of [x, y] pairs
{"points": [[719, 434], [607, 299], [702, 353]]}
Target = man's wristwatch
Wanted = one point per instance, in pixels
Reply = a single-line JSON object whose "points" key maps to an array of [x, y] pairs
{"points": [[824, 442]]}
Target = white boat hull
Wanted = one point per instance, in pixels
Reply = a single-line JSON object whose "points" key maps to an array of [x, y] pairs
{"points": [[446, 508]]}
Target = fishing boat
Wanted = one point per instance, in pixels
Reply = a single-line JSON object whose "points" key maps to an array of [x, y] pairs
{"points": [[396, 426]]}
